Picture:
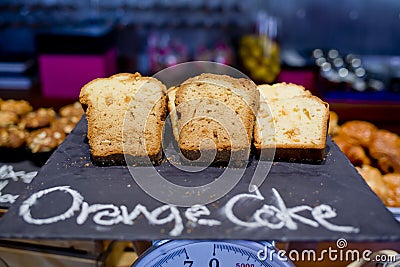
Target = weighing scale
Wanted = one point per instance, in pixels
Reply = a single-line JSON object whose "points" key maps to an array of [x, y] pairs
{"points": [[71, 198], [213, 253]]}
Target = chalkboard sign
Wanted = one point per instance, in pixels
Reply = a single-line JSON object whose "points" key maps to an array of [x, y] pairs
{"points": [[14, 178], [73, 199]]}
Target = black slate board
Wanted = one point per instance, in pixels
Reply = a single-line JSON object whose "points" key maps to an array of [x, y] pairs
{"points": [[15, 175], [333, 184]]}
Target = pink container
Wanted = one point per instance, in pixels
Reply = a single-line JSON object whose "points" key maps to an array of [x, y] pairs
{"points": [[62, 76], [305, 78]]}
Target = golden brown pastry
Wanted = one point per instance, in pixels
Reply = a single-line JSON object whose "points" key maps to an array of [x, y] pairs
{"points": [[8, 118], [20, 107], [44, 140], [358, 132], [72, 110], [63, 124], [12, 137], [333, 123], [385, 148], [355, 153], [374, 179], [392, 181], [38, 118]]}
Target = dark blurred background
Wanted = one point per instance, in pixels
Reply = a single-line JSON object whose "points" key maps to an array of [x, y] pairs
{"points": [[360, 26], [345, 51]]}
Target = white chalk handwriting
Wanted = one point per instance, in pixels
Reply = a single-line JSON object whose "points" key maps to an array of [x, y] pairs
{"points": [[278, 215], [8, 174], [272, 216]]}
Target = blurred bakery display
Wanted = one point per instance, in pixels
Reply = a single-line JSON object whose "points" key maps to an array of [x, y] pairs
{"points": [[167, 49], [350, 76], [334, 49], [267, 40], [18, 71], [374, 152], [28, 133], [259, 52], [345, 52], [71, 56]]}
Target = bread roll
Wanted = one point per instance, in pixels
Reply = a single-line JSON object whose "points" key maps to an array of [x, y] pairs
{"points": [[392, 181], [358, 132], [384, 146], [374, 179], [333, 128], [355, 153]]}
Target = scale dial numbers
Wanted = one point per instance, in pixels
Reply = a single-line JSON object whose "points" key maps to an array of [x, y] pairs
{"points": [[199, 253]]}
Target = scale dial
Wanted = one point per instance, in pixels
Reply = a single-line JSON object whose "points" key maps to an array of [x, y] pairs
{"points": [[207, 253]]}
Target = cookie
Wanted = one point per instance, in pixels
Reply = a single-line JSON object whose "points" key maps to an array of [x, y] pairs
{"points": [[20, 107], [72, 110], [8, 118], [12, 137], [38, 119], [44, 140], [64, 124]]}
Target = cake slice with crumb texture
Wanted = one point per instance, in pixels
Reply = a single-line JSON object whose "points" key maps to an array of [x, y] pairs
{"points": [[125, 114], [293, 122]]}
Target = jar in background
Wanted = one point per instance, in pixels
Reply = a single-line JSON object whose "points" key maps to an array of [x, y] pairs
{"points": [[259, 52]]}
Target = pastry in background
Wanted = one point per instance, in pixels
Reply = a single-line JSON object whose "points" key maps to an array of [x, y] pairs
{"points": [[355, 153], [63, 124], [333, 128], [20, 107], [380, 154], [8, 118], [69, 116], [125, 114], [39, 118], [73, 111], [374, 179], [12, 137], [392, 181], [48, 129], [358, 132], [384, 147], [44, 140]]}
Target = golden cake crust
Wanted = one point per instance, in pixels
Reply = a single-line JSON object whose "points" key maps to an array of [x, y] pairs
{"points": [[216, 112], [125, 114]]}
